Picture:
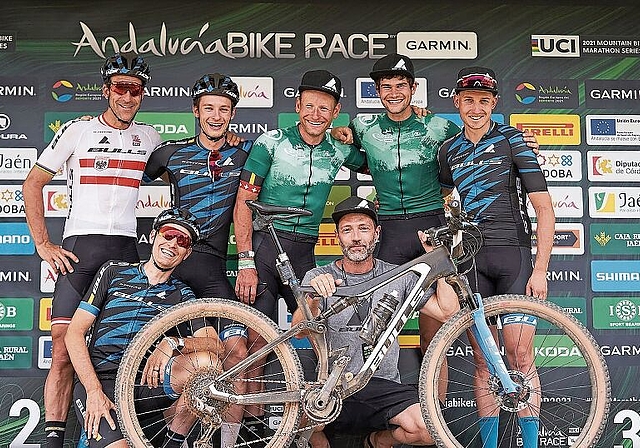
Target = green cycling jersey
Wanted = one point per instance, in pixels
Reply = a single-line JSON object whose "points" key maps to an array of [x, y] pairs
{"points": [[402, 159]]}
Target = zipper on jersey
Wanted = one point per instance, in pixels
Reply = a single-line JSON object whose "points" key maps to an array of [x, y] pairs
{"points": [[404, 210]]}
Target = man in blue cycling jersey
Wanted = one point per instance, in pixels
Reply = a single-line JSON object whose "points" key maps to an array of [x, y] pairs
{"points": [[495, 173], [122, 298]]}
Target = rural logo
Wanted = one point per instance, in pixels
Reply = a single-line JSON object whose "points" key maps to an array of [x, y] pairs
{"points": [[59, 91]]}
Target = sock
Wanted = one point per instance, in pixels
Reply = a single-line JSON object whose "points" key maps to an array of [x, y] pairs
{"points": [[489, 431], [529, 427], [54, 433], [229, 434], [173, 440]]}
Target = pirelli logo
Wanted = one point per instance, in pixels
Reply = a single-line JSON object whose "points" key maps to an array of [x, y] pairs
{"points": [[549, 129], [328, 241]]}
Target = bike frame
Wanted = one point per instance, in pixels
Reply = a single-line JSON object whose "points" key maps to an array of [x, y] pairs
{"points": [[429, 267]]}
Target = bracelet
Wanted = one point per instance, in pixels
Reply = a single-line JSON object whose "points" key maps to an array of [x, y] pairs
{"points": [[246, 254], [245, 263], [173, 345]]}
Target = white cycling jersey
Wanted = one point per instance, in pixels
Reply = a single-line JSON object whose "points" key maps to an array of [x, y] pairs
{"points": [[104, 168]]}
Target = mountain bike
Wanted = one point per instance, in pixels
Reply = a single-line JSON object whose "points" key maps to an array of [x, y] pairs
{"points": [[571, 399]]}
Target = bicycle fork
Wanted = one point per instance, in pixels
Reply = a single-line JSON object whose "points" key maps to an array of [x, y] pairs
{"points": [[491, 354]]}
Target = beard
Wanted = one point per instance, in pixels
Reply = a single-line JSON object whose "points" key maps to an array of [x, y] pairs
{"points": [[358, 256]]}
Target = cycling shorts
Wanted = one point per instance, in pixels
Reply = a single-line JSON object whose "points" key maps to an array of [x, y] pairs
{"points": [[399, 241], [502, 270], [299, 248], [149, 402], [92, 251], [206, 275]]}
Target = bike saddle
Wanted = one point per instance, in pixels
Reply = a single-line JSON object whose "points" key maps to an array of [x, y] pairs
{"points": [[268, 210]]}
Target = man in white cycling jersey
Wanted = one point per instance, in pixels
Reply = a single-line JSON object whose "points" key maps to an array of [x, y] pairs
{"points": [[105, 159]]}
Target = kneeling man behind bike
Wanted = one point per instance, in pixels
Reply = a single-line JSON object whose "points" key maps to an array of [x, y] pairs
{"points": [[386, 410], [122, 298]]}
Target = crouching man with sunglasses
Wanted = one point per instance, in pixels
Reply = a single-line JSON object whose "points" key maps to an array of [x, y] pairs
{"points": [[122, 298], [105, 159]]}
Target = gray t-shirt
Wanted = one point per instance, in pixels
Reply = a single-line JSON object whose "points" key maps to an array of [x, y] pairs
{"points": [[344, 328]]}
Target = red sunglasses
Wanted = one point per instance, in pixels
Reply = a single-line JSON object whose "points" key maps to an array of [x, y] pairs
{"points": [[121, 88], [169, 233], [477, 80]]}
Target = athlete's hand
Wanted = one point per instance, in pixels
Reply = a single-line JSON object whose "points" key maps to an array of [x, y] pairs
{"points": [[247, 285], [98, 406], [153, 372], [325, 284], [233, 139], [537, 285], [319, 440], [421, 112], [58, 258], [342, 134], [423, 237], [531, 142]]}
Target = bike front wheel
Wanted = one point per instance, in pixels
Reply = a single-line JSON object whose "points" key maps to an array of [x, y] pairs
{"points": [[144, 417], [567, 386]]}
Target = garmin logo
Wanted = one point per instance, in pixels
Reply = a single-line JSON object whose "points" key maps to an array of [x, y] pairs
{"points": [[15, 276], [438, 45], [168, 91], [17, 90]]}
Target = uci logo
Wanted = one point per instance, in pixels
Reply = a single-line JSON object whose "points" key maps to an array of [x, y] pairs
{"points": [[555, 46]]}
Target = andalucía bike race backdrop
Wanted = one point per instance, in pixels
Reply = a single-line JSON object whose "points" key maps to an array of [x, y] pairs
{"points": [[568, 73]]}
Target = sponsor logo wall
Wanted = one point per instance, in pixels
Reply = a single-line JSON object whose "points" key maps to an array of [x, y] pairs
{"points": [[577, 90]]}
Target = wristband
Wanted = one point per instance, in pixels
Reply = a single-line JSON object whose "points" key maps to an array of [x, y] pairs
{"points": [[246, 254], [246, 263]]}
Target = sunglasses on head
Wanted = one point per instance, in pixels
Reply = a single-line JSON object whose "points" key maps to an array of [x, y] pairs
{"points": [[214, 169], [121, 88], [477, 80], [169, 233]]}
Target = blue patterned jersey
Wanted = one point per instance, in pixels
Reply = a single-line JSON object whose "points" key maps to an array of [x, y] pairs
{"points": [[123, 301], [493, 179], [203, 185]]}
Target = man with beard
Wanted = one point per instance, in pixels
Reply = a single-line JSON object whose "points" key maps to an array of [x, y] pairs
{"points": [[387, 411], [105, 159]]}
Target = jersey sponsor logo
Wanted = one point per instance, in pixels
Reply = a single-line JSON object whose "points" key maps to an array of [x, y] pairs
{"points": [[549, 129], [561, 166], [104, 141], [119, 151], [619, 130], [438, 45], [554, 45]]}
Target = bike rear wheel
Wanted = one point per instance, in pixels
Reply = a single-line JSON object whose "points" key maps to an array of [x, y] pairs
{"points": [[572, 398], [281, 371]]}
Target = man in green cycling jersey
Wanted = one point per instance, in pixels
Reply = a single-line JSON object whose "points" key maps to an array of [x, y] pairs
{"points": [[294, 167]]}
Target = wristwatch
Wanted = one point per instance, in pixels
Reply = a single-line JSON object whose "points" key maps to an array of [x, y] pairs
{"points": [[246, 254], [175, 343]]}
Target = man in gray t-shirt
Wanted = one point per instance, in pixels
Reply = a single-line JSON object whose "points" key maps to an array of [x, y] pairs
{"points": [[386, 410]]}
